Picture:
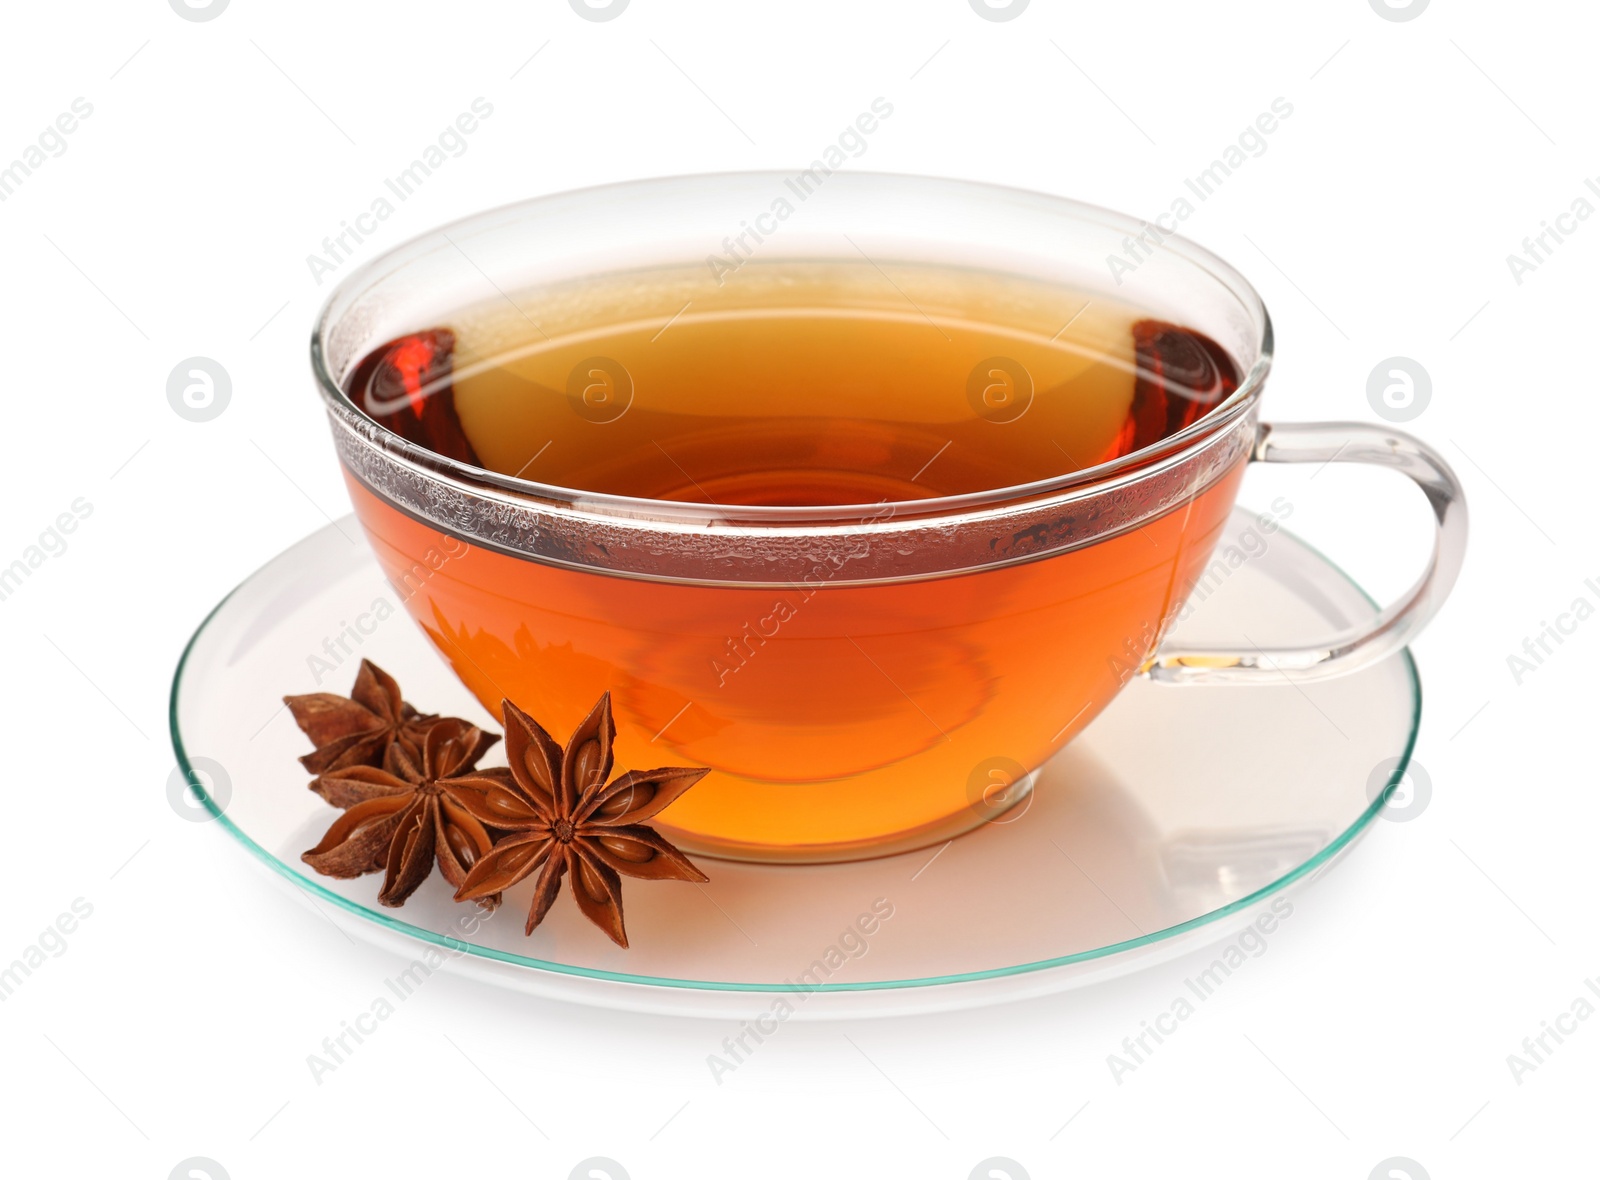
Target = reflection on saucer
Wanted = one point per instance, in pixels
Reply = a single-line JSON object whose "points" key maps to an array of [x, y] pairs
{"points": [[1210, 869]]}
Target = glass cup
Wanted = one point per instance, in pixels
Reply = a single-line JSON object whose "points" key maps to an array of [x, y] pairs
{"points": [[861, 679]]}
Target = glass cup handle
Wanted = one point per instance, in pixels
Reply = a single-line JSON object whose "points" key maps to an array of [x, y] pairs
{"points": [[1355, 647]]}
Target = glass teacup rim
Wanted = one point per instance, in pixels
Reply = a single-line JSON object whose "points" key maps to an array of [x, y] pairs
{"points": [[1061, 488]]}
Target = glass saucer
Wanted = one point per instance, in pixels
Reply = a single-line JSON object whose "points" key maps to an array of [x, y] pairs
{"points": [[1172, 822]]}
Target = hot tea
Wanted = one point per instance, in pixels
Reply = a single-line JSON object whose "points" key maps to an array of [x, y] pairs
{"points": [[794, 384], [836, 712]]}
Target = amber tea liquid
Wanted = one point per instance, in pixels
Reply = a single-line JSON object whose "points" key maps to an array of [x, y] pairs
{"points": [[840, 719]]}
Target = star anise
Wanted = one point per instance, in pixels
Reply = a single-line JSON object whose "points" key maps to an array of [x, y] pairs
{"points": [[560, 815], [405, 816], [358, 729]]}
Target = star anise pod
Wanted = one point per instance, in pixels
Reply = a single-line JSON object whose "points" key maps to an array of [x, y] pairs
{"points": [[358, 729], [405, 816], [561, 815]]}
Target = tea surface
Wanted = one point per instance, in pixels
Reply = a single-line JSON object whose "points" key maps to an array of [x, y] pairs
{"points": [[794, 383]]}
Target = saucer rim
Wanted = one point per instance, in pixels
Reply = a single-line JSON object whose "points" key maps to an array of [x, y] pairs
{"points": [[1322, 858]]}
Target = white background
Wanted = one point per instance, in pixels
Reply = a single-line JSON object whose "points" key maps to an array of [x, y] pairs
{"points": [[177, 222]]}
